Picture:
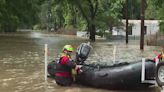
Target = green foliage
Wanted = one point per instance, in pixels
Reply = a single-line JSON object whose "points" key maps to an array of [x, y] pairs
{"points": [[80, 14], [151, 12], [155, 10], [84, 14], [109, 13], [134, 8], [158, 3], [18, 13], [43, 16], [82, 25], [161, 17], [160, 9], [162, 26], [100, 33]]}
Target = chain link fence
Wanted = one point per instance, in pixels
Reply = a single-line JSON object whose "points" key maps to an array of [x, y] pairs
{"points": [[155, 40]]}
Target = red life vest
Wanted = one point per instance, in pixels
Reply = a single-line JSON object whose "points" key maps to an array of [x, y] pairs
{"points": [[62, 69]]}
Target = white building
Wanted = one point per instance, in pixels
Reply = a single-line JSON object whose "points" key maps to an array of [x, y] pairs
{"points": [[151, 26]]}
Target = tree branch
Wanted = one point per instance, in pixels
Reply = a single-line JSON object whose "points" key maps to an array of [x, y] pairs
{"points": [[96, 8], [93, 8], [90, 7], [82, 11]]}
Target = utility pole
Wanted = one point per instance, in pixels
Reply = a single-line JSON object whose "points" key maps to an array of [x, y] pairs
{"points": [[126, 21], [142, 25]]}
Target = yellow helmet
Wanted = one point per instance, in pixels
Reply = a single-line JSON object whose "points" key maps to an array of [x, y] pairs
{"points": [[68, 48]]}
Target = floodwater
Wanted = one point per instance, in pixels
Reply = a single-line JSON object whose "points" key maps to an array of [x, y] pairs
{"points": [[22, 61]]}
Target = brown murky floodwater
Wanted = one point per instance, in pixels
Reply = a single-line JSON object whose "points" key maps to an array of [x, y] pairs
{"points": [[22, 61]]}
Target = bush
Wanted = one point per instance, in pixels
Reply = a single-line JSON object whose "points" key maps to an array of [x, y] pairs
{"points": [[68, 31], [36, 27], [100, 33]]}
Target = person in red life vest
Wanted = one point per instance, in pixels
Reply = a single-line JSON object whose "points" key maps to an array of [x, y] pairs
{"points": [[161, 55], [63, 75]]}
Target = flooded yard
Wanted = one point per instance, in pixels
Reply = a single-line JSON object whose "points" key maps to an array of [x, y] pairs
{"points": [[22, 61]]}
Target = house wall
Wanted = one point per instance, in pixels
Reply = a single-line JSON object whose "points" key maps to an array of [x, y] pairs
{"points": [[152, 27]]}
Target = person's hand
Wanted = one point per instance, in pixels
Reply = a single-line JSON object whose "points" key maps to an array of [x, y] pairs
{"points": [[78, 68], [159, 56]]}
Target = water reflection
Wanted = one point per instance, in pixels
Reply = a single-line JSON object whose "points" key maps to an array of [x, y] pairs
{"points": [[22, 65]]}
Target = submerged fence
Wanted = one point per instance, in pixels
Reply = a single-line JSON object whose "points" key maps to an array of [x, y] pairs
{"points": [[151, 40], [155, 40]]}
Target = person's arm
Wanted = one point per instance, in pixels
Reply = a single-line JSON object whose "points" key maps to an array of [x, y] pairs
{"points": [[159, 56], [68, 62]]}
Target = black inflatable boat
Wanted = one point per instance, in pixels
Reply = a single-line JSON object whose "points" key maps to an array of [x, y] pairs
{"points": [[116, 76], [111, 76]]}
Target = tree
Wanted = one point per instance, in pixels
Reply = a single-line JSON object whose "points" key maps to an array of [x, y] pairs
{"points": [[64, 14], [151, 12], [161, 18], [133, 9], [18, 13], [160, 7], [99, 13], [156, 10], [92, 14], [89, 12]]}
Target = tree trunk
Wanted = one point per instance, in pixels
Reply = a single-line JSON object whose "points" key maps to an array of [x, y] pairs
{"points": [[55, 24], [91, 18], [92, 32], [74, 18], [110, 29], [93, 11]]}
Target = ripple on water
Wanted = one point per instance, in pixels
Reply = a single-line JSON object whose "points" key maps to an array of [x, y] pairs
{"points": [[23, 69]]}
